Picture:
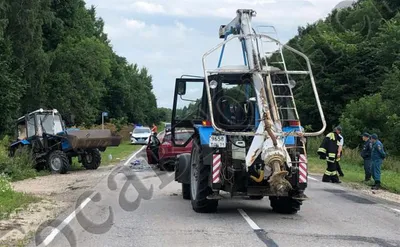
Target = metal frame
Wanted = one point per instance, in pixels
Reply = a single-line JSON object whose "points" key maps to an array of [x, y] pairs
{"points": [[309, 72]]}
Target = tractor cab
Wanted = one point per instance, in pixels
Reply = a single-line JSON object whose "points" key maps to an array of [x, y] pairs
{"points": [[39, 122]]}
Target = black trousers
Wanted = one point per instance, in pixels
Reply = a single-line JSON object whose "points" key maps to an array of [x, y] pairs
{"points": [[331, 174], [339, 169]]}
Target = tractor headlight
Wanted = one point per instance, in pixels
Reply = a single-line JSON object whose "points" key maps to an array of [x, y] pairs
{"points": [[213, 84]]}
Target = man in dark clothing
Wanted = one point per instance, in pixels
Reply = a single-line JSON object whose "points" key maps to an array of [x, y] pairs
{"points": [[366, 155], [329, 151], [377, 156]]}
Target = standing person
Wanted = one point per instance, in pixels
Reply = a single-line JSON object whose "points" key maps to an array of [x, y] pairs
{"points": [[377, 156], [154, 129], [366, 155], [338, 131], [329, 151]]}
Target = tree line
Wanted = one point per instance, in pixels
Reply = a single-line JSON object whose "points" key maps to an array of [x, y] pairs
{"points": [[55, 54], [355, 56]]}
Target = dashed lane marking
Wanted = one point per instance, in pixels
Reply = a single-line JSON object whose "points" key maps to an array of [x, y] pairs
{"points": [[394, 209], [261, 234], [249, 220], [313, 178]]}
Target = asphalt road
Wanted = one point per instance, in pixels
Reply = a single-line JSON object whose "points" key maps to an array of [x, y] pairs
{"points": [[151, 212]]}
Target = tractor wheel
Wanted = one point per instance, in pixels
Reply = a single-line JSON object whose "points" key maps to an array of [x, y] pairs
{"points": [[285, 205], [256, 197], [92, 159], [186, 191], [58, 162], [199, 188], [166, 165]]}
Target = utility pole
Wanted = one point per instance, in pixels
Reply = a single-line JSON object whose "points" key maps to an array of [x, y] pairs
{"points": [[103, 114]]}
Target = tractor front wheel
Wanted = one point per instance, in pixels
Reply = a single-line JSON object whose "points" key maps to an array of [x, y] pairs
{"points": [[199, 188], [91, 159], [58, 162]]}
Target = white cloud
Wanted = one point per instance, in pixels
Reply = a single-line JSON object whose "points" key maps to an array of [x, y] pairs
{"points": [[148, 7], [134, 24]]}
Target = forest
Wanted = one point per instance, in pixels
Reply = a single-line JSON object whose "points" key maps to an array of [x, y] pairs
{"points": [[55, 54], [355, 56]]}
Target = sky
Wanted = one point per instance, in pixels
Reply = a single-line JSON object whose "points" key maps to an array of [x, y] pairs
{"points": [[169, 38]]}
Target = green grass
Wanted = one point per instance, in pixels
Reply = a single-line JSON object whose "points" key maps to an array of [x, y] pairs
{"points": [[10, 200], [354, 173], [118, 153]]}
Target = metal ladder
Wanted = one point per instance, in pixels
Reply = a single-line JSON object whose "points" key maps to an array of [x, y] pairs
{"points": [[285, 102]]}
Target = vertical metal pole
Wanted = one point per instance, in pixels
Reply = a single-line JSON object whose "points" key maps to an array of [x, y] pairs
{"points": [[102, 120]]}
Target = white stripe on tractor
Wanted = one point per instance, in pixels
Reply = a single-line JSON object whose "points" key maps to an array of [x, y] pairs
{"points": [[302, 169], [217, 158], [216, 167]]}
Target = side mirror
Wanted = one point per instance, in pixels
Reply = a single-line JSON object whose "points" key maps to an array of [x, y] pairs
{"points": [[130, 133], [181, 87]]}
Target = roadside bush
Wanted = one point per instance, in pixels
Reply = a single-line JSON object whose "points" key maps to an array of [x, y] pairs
{"points": [[11, 200], [5, 185], [369, 114], [19, 167]]}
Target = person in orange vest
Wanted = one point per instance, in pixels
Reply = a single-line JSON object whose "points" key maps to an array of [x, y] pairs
{"points": [[154, 129]]}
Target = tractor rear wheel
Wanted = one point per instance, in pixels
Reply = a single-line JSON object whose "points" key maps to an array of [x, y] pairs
{"points": [[58, 162], [91, 159], [186, 191], [285, 205], [199, 188]]}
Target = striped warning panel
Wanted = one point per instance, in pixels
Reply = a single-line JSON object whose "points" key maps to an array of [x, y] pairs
{"points": [[216, 168], [302, 169]]}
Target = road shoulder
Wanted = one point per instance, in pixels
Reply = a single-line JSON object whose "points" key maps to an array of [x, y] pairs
{"points": [[57, 193], [381, 196]]}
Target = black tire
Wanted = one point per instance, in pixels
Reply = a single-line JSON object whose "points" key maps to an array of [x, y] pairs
{"points": [[57, 161], [199, 175], [285, 205], [256, 197], [167, 165], [186, 191], [92, 159]]}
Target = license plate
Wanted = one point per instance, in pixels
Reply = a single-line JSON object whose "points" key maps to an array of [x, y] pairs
{"points": [[217, 141]]}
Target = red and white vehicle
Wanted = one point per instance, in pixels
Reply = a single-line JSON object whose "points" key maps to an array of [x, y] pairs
{"points": [[161, 150]]}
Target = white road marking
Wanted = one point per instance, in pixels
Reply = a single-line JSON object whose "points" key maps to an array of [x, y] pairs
{"points": [[70, 217], [65, 222], [249, 220], [394, 209], [133, 155], [313, 178]]}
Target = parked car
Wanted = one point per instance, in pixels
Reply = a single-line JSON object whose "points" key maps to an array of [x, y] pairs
{"points": [[164, 153], [140, 135], [167, 127]]}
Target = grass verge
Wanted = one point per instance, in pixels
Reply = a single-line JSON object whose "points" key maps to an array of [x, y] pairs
{"points": [[354, 173], [118, 153], [10, 200]]}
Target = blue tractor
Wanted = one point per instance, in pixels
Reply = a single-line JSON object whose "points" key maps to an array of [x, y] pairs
{"points": [[44, 134]]}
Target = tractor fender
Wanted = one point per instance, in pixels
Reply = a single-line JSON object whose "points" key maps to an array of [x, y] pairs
{"points": [[182, 169]]}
